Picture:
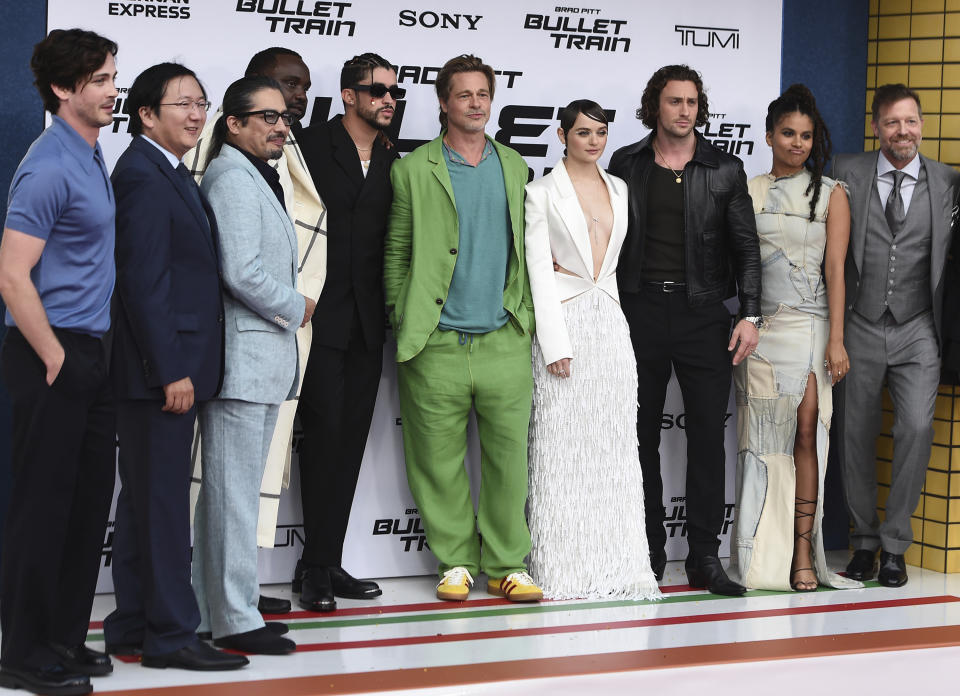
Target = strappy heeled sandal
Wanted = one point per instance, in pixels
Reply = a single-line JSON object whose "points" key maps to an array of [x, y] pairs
{"points": [[807, 537]]}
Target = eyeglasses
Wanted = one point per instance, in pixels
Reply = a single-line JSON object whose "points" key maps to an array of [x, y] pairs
{"points": [[269, 115], [378, 90], [187, 105]]}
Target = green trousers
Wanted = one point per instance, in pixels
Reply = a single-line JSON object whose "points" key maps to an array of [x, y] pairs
{"points": [[490, 373]]}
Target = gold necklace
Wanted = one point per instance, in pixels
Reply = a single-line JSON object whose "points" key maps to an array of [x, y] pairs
{"points": [[663, 159]]}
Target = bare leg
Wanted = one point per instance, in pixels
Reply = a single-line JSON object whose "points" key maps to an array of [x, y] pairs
{"points": [[802, 576]]}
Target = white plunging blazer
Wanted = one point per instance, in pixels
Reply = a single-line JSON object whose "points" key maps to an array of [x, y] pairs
{"points": [[556, 228]]}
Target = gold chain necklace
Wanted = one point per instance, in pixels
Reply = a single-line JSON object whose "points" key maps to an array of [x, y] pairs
{"points": [[663, 159]]}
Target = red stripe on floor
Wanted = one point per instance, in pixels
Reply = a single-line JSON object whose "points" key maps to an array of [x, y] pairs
{"points": [[578, 665], [402, 608], [634, 623]]}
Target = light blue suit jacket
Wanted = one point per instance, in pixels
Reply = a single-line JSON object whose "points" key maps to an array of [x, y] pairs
{"points": [[262, 308]]}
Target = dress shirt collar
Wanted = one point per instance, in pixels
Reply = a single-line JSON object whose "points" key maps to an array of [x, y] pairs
{"points": [[171, 158], [912, 169]]}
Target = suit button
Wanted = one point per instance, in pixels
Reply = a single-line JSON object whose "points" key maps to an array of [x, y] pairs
{"points": [[439, 301], [453, 251], [220, 319]]}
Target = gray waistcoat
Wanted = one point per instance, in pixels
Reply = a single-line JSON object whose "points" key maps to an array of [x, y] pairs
{"points": [[896, 272]]}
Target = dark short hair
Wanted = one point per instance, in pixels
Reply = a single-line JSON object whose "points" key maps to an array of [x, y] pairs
{"points": [[66, 58], [360, 67], [885, 95], [236, 100], [590, 109], [150, 86], [649, 109], [466, 62], [264, 61]]}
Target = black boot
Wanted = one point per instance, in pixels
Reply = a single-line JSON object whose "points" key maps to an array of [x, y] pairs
{"points": [[706, 572], [316, 591]]}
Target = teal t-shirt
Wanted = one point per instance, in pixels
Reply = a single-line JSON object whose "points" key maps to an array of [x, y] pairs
{"points": [[475, 298]]}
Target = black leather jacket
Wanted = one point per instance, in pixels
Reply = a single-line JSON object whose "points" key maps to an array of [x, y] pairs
{"points": [[721, 248]]}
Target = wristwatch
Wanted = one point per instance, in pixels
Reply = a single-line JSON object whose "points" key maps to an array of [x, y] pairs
{"points": [[756, 321]]}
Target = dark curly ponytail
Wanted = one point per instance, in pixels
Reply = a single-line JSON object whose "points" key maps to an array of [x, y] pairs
{"points": [[798, 98]]}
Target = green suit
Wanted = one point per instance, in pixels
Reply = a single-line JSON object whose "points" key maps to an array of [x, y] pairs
{"points": [[442, 374]]}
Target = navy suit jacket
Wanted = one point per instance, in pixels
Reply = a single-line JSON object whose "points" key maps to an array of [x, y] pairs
{"points": [[169, 306]]}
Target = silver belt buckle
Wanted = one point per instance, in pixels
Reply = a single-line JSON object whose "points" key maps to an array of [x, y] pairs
{"points": [[669, 286]]}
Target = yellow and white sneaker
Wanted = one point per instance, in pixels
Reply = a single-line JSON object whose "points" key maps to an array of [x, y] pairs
{"points": [[517, 587], [455, 584]]}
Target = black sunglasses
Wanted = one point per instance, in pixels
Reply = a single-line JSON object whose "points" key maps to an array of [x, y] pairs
{"points": [[270, 116], [378, 89]]}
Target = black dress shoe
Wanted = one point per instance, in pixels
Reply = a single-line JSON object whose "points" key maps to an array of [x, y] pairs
{"points": [[273, 605], [706, 572], [297, 581], [197, 656], [279, 628], [54, 680], [316, 593], [893, 570], [261, 641], [346, 586], [83, 660], [658, 562], [124, 649], [861, 565]]}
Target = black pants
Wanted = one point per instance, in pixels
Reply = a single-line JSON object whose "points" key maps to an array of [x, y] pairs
{"points": [[337, 399], [63, 466], [666, 331], [156, 606]]}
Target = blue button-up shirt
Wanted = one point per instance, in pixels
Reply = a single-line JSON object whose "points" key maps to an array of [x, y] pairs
{"points": [[61, 193]]}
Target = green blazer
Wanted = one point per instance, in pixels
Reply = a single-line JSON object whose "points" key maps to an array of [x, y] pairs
{"points": [[422, 239]]}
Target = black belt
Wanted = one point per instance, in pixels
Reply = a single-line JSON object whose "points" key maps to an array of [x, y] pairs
{"points": [[666, 286]]}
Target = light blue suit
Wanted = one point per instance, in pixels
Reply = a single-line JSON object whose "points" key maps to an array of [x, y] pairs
{"points": [[262, 311]]}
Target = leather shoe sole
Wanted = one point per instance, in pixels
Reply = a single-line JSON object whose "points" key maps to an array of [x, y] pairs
{"points": [[50, 682], [198, 657]]}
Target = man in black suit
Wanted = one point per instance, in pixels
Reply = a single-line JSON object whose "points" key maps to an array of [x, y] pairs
{"points": [[167, 356], [350, 161]]}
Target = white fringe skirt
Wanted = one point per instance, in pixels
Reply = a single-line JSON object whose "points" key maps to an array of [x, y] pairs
{"points": [[585, 504]]}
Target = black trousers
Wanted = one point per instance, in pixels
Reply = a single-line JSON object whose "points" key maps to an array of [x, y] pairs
{"points": [[666, 331], [337, 399], [63, 466], [156, 606]]}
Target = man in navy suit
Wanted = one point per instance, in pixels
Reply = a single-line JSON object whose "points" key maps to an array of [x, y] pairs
{"points": [[167, 357]]}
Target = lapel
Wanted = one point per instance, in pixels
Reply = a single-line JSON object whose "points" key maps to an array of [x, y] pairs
{"points": [[203, 216], [940, 226], [514, 181], [435, 156], [237, 157], [862, 179], [344, 153], [619, 230], [571, 214]]}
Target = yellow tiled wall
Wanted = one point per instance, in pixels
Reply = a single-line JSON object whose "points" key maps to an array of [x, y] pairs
{"points": [[917, 42]]}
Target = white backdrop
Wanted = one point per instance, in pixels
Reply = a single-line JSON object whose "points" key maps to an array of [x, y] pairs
{"points": [[546, 55]]}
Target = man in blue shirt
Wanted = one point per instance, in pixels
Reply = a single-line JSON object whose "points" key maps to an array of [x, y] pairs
{"points": [[56, 278]]}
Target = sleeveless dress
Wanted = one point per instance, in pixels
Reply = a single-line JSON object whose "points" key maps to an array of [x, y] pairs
{"points": [[770, 384], [585, 502]]}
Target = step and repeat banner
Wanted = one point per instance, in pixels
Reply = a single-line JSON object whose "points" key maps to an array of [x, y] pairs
{"points": [[545, 55]]}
